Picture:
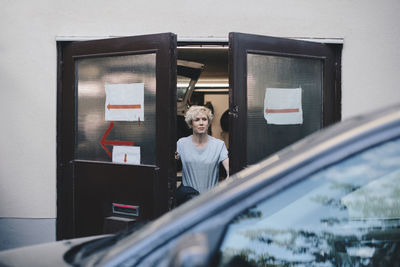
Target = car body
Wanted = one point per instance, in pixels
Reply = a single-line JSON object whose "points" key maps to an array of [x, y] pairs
{"points": [[330, 199]]}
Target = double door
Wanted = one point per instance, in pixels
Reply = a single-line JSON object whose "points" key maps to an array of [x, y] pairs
{"points": [[117, 108]]}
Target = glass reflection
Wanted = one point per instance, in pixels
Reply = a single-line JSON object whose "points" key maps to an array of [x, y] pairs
{"points": [[345, 215]]}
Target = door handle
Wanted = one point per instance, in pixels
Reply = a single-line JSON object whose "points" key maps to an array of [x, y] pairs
{"points": [[234, 111]]}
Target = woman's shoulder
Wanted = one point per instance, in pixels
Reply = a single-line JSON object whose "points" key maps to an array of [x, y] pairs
{"points": [[215, 140], [183, 140]]}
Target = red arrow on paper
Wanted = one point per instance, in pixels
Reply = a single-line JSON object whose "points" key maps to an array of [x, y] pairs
{"points": [[288, 110], [109, 106], [104, 142]]}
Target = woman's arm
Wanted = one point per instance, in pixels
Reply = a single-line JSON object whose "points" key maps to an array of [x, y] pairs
{"points": [[225, 163]]}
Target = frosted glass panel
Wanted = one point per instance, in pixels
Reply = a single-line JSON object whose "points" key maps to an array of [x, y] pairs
{"points": [[92, 76], [265, 71]]}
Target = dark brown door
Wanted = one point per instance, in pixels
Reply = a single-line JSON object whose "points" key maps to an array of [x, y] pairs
{"points": [[116, 130], [281, 91]]}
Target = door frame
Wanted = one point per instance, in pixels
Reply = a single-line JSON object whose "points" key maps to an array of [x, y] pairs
{"points": [[64, 113], [164, 45]]}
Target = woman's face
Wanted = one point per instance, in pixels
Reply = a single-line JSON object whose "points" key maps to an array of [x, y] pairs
{"points": [[200, 124]]}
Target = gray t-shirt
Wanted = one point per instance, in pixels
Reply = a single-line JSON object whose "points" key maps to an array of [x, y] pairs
{"points": [[200, 166]]}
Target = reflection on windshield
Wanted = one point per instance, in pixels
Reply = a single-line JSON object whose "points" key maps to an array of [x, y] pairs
{"points": [[347, 214]]}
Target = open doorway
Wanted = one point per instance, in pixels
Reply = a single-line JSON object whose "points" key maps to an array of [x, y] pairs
{"points": [[203, 79], [210, 89]]}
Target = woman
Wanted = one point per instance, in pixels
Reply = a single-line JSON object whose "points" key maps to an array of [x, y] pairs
{"points": [[201, 153]]}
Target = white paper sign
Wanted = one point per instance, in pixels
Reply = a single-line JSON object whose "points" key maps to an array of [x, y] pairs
{"points": [[126, 154], [124, 102], [282, 106]]}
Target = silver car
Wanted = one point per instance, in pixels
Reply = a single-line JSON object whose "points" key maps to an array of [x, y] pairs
{"points": [[332, 199]]}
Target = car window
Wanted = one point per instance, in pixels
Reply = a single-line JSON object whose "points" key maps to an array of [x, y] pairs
{"points": [[182, 87], [347, 214]]}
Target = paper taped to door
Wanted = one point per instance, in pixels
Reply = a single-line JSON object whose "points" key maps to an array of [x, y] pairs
{"points": [[124, 102], [126, 154], [282, 106]]}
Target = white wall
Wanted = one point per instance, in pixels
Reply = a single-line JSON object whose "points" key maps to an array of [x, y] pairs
{"points": [[370, 75]]}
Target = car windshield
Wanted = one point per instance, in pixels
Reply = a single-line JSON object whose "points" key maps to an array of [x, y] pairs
{"points": [[347, 214]]}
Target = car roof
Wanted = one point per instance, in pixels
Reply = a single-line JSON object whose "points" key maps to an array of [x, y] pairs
{"points": [[184, 217]]}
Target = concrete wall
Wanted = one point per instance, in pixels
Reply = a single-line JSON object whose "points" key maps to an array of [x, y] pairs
{"points": [[370, 75]]}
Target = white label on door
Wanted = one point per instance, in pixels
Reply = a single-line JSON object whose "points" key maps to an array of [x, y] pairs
{"points": [[282, 106], [124, 102], [126, 154]]}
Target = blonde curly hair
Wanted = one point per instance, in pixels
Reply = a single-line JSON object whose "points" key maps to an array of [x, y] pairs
{"points": [[194, 111]]}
